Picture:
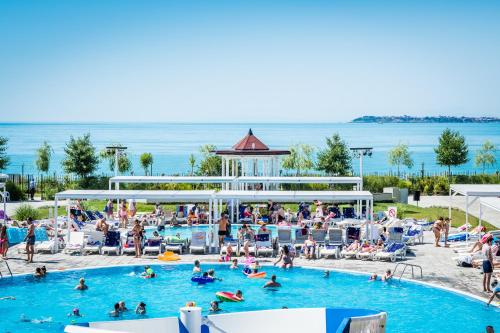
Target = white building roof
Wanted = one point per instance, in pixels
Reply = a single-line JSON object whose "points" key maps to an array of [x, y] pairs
{"points": [[165, 196], [298, 180], [294, 196], [171, 179], [477, 190]]}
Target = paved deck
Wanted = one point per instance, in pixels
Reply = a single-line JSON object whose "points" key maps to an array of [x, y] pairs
{"points": [[438, 267]]}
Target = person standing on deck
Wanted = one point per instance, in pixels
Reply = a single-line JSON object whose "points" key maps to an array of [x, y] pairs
{"points": [[222, 229]]}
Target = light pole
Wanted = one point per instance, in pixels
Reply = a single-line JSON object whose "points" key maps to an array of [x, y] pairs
{"points": [[359, 152]]}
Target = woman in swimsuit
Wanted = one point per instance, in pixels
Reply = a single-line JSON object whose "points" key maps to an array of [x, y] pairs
{"points": [[109, 209], [123, 215], [4, 242], [438, 226], [137, 232], [286, 256]]}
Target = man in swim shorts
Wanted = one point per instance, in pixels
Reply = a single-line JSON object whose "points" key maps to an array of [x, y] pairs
{"points": [[30, 240], [272, 283], [222, 229]]}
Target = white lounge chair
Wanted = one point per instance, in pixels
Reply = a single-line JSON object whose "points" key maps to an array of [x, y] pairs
{"points": [[153, 245], [301, 236], [46, 246], [263, 244], [392, 251], [334, 243], [75, 243], [235, 245], [94, 242], [284, 236], [111, 243], [198, 242], [128, 245]]}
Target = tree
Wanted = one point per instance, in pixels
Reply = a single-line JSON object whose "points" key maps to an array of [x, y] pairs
{"points": [[452, 150], [124, 163], [300, 158], [147, 162], [192, 163], [210, 165], [486, 155], [335, 159], [400, 155], [44, 153], [4, 159], [81, 157]]}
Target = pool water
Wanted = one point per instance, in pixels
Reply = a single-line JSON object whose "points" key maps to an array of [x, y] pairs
{"points": [[411, 307], [186, 232]]}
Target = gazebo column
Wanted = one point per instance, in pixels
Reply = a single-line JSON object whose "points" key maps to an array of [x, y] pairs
{"points": [[227, 173]]}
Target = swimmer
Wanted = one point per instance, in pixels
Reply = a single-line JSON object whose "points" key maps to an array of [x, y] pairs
{"points": [[239, 294], [196, 268], [255, 267], [190, 304], [272, 283], [214, 306], [326, 274], [373, 277], [234, 264], [148, 273], [44, 270], [25, 319], [388, 275], [38, 273], [10, 298], [81, 285], [116, 311], [211, 274], [122, 307], [141, 308], [75, 313]]}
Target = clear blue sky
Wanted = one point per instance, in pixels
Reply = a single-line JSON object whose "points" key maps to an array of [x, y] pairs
{"points": [[120, 60]]}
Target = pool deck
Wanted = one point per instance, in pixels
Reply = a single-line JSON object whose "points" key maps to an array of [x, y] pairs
{"points": [[438, 267]]}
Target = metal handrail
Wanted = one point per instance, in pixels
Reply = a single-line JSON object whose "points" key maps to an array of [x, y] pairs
{"points": [[405, 265], [8, 267]]}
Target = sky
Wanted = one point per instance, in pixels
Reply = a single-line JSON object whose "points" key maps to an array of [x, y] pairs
{"points": [[241, 61]]}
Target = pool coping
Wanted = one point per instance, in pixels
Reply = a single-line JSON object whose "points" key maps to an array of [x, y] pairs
{"points": [[341, 270]]}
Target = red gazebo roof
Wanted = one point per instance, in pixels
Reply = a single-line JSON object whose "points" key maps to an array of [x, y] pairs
{"points": [[251, 145]]}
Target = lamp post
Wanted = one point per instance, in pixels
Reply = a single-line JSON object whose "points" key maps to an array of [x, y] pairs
{"points": [[359, 152]]}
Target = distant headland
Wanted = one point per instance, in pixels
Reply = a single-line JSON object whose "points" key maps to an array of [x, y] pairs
{"points": [[437, 119]]}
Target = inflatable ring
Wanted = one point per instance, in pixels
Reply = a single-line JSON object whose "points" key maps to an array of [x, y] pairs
{"points": [[201, 279], [225, 296], [168, 256], [259, 275]]}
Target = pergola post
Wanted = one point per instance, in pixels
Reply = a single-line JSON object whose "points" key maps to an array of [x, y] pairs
{"points": [[56, 229], [68, 214]]}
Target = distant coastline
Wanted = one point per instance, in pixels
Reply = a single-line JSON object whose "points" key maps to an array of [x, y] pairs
{"points": [[438, 119]]}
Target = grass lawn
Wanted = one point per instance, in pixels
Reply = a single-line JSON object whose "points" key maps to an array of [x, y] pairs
{"points": [[431, 214]]}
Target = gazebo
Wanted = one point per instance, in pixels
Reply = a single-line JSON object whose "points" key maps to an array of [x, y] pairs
{"points": [[252, 157]]}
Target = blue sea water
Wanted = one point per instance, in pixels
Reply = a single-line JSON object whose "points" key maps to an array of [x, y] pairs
{"points": [[45, 303], [171, 144]]}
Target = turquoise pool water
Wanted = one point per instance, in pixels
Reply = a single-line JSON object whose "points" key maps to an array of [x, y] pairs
{"points": [[411, 307], [185, 232]]}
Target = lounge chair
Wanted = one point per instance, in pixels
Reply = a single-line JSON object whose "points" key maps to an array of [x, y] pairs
{"points": [[89, 215], [153, 245], [300, 237], [391, 252], [413, 234], [98, 214], [263, 244], [235, 245], [175, 244], [350, 251], [46, 246], [75, 243], [198, 242], [319, 236], [348, 213], [128, 246], [334, 243], [284, 236], [111, 243], [95, 240], [395, 235], [365, 255]]}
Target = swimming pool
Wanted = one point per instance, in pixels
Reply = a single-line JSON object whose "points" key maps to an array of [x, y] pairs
{"points": [[411, 307]]}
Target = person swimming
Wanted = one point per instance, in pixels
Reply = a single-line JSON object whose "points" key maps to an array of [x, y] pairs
{"points": [[373, 277], [38, 273], [148, 273], [116, 311], [75, 313], [141, 308], [234, 264], [81, 285], [196, 268], [387, 276], [211, 274], [272, 283], [214, 307], [239, 294], [122, 307], [326, 274]]}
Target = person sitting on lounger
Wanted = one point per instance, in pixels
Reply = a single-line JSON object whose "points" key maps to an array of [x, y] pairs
{"points": [[272, 283], [309, 247], [81, 285], [353, 247]]}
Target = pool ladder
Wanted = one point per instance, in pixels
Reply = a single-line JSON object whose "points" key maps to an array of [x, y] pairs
{"points": [[8, 267], [405, 265]]}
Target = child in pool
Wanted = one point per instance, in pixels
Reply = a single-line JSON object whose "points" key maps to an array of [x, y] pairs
{"points": [[148, 273], [75, 313], [234, 264], [373, 277], [211, 274], [214, 306], [196, 268]]}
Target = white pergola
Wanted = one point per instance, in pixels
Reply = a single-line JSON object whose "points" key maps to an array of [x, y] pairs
{"points": [[3, 186], [215, 199], [488, 202], [169, 180]]}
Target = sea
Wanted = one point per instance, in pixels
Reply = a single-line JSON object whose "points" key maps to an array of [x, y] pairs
{"points": [[172, 143]]}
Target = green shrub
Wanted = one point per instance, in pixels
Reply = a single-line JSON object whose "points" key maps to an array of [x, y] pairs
{"points": [[16, 194], [24, 211]]}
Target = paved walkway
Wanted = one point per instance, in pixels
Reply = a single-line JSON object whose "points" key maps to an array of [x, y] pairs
{"points": [[438, 266], [489, 215]]}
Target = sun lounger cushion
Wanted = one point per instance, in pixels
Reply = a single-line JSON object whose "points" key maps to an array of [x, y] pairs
{"points": [[154, 242]]}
